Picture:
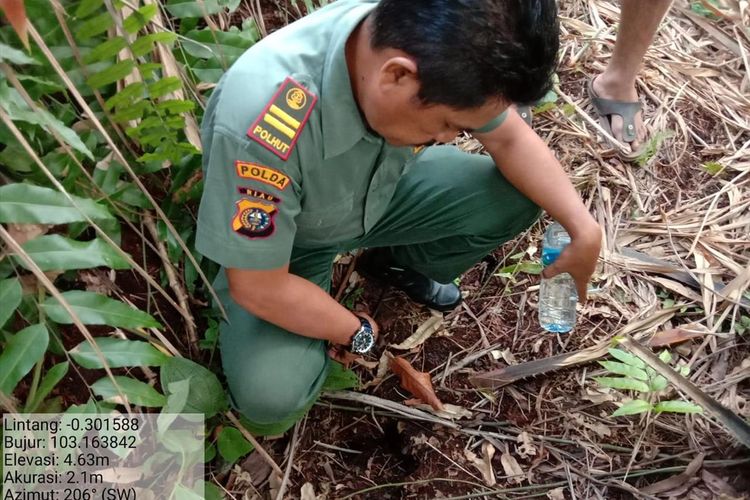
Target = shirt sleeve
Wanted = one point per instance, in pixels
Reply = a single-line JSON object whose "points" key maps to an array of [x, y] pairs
{"points": [[249, 202], [493, 124]]}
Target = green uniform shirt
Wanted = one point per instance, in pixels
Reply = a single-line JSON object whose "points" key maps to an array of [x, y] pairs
{"points": [[288, 160]]}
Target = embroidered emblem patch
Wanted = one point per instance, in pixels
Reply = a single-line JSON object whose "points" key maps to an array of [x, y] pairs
{"points": [[262, 195], [258, 172], [253, 219], [279, 125]]}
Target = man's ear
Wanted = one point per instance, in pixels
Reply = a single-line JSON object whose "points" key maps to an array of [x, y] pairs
{"points": [[399, 72]]}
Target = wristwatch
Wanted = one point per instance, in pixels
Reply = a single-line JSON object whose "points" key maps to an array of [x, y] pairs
{"points": [[363, 340]]}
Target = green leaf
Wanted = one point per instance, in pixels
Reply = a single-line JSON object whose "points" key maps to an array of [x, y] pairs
{"points": [[206, 393], [140, 18], [145, 44], [94, 26], [136, 392], [232, 444], [164, 86], [18, 110], [112, 74], [118, 353], [525, 266], [14, 56], [623, 369], [131, 92], [197, 8], [131, 112], [53, 376], [87, 7], [212, 492], [26, 203], [713, 167], [633, 407], [106, 50], [176, 106], [340, 378], [665, 356], [177, 394], [218, 46], [677, 407], [10, 298], [95, 309], [20, 354], [627, 358], [623, 383], [658, 383], [53, 252]]}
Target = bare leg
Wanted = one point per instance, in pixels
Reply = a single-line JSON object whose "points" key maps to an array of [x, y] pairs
{"points": [[639, 20]]}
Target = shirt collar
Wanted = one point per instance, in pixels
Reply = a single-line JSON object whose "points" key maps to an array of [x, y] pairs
{"points": [[342, 122]]}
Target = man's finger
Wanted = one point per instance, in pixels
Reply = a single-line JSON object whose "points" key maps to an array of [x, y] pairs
{"points": [[582, 287], [551, 271]]}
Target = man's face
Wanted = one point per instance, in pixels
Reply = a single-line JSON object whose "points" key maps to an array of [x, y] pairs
{"points": [[393, 109], [412, 123]]}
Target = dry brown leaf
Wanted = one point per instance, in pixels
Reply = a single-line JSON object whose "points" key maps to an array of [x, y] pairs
{"points": [[382, 370], [449, 411], [307, 492], [676, 480], [484, 464], [15, 12], [677, 335], [526, 448], [370, 365], [425, 331], [512, 469], [418, 383], [342, 355], [717, 485], [556, 494], [25, 232]]}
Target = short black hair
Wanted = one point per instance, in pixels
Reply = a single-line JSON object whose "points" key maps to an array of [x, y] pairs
{"points": [[470, 51]]}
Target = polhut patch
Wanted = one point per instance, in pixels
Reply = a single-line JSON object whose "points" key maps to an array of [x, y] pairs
{"points": [[258, 172], [253, 219], [256, 193], [279, 125]]}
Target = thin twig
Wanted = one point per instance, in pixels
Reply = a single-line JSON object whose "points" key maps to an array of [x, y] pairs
{"points": [[263, 453]]}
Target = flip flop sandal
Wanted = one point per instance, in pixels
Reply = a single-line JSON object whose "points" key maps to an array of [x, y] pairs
{"points": [[526, 113], [605, 108]]}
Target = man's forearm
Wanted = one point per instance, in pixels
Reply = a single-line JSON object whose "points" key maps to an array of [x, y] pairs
{"points": [[528, 164], [302, 307]]}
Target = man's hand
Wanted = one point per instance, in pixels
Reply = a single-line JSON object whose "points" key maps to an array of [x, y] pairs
{"points": [[579, 258]]}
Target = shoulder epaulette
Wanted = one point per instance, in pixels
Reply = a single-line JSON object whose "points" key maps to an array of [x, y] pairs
{"points": [[279, 125]]}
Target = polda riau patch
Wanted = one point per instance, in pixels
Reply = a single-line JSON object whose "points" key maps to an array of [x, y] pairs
{"points": [[279, 125], [257, 193], [254, 219], [258, 172]]}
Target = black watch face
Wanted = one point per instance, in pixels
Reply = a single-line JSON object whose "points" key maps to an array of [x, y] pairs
{"points": [[363, 341]]}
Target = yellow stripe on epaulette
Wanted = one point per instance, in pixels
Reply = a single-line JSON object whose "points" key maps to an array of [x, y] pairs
{"points": [[278, 127]]}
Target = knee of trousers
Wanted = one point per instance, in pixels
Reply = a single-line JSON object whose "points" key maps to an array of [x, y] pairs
{"points": [[267, 398], [513, 221]]}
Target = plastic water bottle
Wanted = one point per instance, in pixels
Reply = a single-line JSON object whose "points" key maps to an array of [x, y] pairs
{"points": [[558, 295]]}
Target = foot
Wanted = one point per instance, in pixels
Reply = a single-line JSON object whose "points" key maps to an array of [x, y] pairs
{"points": [[607, 87], [377, 264]]}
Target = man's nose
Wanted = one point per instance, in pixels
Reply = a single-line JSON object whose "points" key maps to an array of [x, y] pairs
{"points": [[447, 136]]}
